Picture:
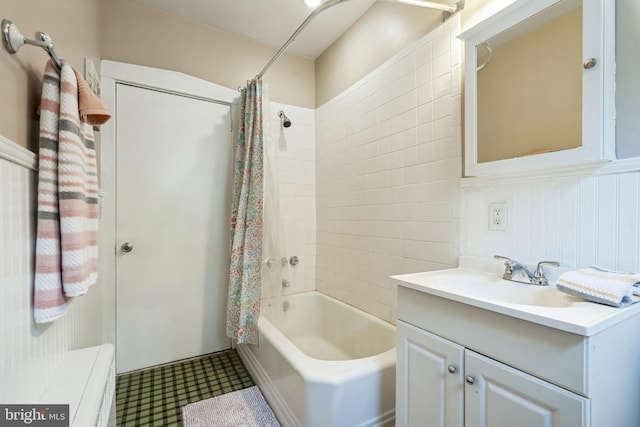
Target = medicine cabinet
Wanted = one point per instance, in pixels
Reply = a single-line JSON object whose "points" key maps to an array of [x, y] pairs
{"points": [[539, 87]]}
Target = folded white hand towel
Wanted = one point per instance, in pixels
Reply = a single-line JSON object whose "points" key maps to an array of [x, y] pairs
{"points": [[602, 286]]}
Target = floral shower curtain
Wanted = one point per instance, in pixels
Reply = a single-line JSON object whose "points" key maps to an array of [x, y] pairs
{"points": [[243, 305]]}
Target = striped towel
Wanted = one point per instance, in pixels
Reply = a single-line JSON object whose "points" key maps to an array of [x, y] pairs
{"points": [[602, 286], [67, 221]]}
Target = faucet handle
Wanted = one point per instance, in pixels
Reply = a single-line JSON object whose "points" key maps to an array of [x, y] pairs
{"points": [[538, 277], [508, 266], [543, 263], [508, 262], [506, 259]]}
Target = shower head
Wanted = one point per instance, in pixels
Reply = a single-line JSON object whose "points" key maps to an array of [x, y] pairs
{"points": [[284, 120]]}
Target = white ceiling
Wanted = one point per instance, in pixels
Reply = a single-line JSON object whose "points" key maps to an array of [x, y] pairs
{"points": [[271, 21]]}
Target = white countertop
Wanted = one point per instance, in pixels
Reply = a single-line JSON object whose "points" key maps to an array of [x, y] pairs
{"points": [[478, 282]]}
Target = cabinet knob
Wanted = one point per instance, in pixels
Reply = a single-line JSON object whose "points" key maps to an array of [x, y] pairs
{"points": [[452, 369], [470, 380], [589, 63], [126, 247]]}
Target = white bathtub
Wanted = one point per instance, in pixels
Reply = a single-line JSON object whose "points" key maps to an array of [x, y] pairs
{"points": [[323, 363]]}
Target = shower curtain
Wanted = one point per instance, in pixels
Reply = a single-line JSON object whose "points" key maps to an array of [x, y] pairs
{"points": [[247, 205]]}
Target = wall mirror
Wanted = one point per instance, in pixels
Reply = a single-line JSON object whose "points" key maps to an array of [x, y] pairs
{"points": [[539, 87]]}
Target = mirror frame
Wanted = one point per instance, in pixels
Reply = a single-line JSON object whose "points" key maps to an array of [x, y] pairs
{"points": [[598, 91]]}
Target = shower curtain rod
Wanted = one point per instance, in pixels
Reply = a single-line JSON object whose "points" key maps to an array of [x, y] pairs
{"points": [[447, 11], [13, 40]]}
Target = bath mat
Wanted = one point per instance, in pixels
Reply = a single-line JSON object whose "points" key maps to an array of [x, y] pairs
{"points": [[246, 408]]}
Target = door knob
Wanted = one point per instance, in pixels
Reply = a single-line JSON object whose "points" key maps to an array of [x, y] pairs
{"points": [[126, 247]]}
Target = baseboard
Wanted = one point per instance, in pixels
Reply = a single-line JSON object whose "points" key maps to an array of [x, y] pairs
{"points": [[388, 419]]}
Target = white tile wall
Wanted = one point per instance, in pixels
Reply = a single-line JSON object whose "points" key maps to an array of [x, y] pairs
{"points": [[578, 221], [388, 169], [29, 352], [295, 147]]}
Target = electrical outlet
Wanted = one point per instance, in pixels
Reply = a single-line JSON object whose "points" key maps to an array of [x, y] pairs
{"points": [[498, 216]]}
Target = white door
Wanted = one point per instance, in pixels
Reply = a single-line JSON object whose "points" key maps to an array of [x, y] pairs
{"points": [[429, 387], [497, 395], [173, 179]]}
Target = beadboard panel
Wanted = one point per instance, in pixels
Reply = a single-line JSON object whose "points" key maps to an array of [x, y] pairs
{"points": [[388, 169], [29, 353], [578, 221]]}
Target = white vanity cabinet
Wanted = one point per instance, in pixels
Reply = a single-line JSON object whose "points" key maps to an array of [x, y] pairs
{"points": [[463, 365], [429, 379], [440, 383], [498, 395]]}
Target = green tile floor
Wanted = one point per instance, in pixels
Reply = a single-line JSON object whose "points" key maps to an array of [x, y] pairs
{"points": [[154, 397]]}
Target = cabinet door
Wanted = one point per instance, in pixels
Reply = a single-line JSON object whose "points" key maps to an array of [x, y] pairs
{"points": [[429, 380], [497, 395]]}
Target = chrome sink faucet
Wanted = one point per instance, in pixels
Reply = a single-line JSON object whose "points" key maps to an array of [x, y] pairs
{"points": [[510, 267], [535, 278]]}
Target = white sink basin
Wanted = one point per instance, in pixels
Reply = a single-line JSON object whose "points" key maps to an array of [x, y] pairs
{"points": [[537, 296], [478, 282], [492, 287]]}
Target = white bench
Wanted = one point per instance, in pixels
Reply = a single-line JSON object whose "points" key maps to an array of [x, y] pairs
{"points": [[85, 379]]}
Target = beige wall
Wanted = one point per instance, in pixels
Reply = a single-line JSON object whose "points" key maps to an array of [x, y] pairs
{"points": [[476, 11], [74, 26], [140, 35], [384, 30], [136, 34]]}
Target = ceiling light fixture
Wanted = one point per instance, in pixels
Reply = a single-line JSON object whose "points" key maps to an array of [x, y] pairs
{"points": [[312, 3]]}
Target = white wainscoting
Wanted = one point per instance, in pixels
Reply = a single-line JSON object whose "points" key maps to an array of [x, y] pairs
{"points": [[29, 353], [582, 220]]}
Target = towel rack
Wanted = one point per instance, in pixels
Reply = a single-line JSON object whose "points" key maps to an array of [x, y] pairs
{"points": [[13, 40]]}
